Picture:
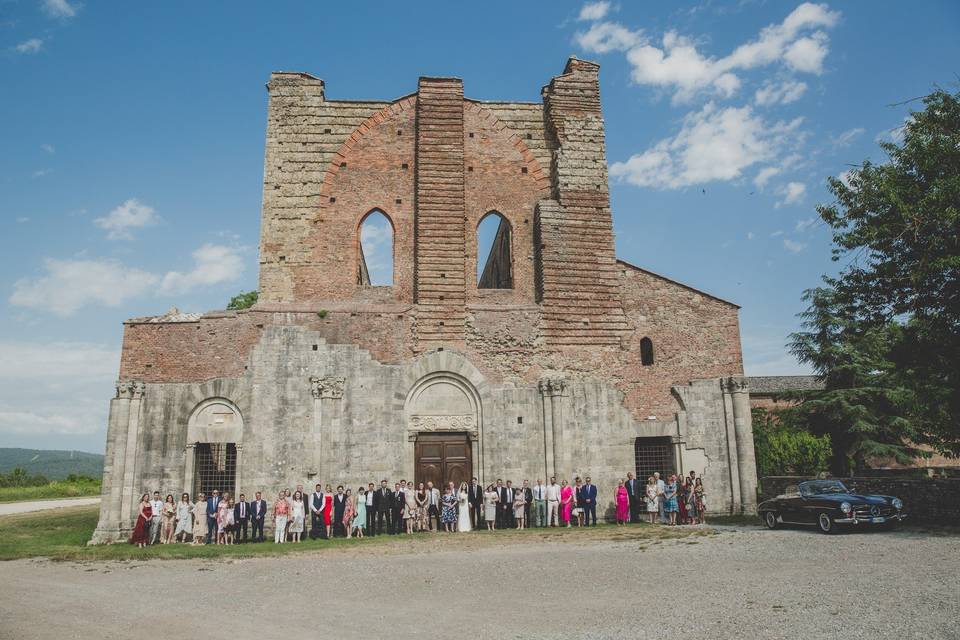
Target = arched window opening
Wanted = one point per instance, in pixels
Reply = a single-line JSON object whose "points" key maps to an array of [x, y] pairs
{"points": [[494, 242], [646, 352], [375, 251]]}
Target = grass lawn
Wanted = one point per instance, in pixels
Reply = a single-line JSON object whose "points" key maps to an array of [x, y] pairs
{"points": [[62, 534], [58, 489]]}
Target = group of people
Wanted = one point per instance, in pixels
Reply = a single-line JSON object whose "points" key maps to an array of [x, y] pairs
{"points": [[376, 510]]}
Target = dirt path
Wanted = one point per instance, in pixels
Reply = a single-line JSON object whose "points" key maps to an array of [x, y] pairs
{"points": [[739, 583], [10, 508]]}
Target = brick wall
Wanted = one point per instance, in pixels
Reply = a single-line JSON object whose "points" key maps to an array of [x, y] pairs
{"points": [[931, 501]]}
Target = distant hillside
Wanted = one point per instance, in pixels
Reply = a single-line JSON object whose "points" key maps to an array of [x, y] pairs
{"points": [[55, 465]]}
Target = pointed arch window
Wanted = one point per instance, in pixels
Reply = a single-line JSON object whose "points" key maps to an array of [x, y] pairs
{"points": [[646, 352], [375, 250], [494, 240]]}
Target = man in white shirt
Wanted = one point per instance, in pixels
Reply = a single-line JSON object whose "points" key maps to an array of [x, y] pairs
{"points": [[540, 504], [371, 510], [315, 504], [156, 506], [661, 486], [433, 506], [553, 503]]}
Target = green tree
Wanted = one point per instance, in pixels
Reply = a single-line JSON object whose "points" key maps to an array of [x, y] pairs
{"points": [[243, 300], [884, 334], [783, 449]]}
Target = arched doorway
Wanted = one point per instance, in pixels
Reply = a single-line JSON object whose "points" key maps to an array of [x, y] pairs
{"points": [[214, 447]]}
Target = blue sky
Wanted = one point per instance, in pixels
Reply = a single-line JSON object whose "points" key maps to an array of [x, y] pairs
{"points": [[131, 163]]}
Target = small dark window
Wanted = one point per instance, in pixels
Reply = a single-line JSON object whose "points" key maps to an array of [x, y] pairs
{"points": [[333, 198], [405, 166], [326, 130], [343, 165], [646, 352], [471, 134], [523, 169], [519, 419], [314, 347], [399, 201]]}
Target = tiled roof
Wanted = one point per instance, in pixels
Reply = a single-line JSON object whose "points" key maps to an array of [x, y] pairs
{"points": [[769, 385]]}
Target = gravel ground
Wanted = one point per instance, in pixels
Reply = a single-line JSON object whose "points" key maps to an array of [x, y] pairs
{"points": [[739, 583], [26, 506]]}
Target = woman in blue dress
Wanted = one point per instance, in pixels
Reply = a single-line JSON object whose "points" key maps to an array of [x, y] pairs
{"points": [[448, 512], [359, 513], [670, 499]]}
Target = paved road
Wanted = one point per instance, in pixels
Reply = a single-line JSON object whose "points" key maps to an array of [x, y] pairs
{"points": [[9, 508], [741, 583]]}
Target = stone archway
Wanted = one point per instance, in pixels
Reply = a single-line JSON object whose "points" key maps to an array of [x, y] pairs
{"points": [[215, 424]]}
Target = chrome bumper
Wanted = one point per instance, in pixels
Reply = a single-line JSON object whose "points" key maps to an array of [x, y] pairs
{"points": [[897, 517]]}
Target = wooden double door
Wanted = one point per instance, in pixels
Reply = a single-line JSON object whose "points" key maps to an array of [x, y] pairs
{"points": [[442, 458]]}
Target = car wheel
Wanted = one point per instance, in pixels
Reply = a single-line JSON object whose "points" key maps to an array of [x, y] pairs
{"points": [[770, 519], [825, 523]]}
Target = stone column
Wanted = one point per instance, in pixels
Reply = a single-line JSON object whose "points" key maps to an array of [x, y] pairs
{"points": [[130, 475], [730, 435], [746, 455], [548, 459], [237, 489], [554, 389], [327, 394], [190, 460], [109, 525]]}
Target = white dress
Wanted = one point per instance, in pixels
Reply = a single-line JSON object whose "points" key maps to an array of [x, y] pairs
{"points": [[463, 516]]}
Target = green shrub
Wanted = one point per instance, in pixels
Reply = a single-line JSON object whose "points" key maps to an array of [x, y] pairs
{"points": [[782, 449]]}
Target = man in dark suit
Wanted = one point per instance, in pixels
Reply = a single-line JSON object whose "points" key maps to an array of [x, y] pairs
{"points": [[315, 504], [373, 500], [258, 514], [384, 508], [241, 516], [475, 500], [505, 506], [399, 502], [339, 508], [212, 503], [527, 502], [633, 493], [589, 495]]}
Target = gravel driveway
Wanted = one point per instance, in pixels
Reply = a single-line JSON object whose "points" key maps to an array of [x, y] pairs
{"points": [[740, 583]]}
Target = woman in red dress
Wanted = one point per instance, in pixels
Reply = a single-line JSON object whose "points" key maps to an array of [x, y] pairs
{"points": [[682, 493], [623, 504], [140, 529], [328, 511]]}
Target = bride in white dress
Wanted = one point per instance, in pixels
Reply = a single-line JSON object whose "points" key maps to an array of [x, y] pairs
{"points": [[463, 511]]}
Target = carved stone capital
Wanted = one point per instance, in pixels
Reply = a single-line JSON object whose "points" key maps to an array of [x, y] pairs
{"points": [[734, 385], [553, 386], [130, 389], [327, 386], [443, 423], [139, 389]]}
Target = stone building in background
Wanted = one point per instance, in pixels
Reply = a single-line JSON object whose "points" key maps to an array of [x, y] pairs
{"points": [[554, 358]]}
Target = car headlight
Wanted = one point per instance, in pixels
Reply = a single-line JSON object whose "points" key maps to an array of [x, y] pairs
{"points": [[845, 507], [897, 504]]}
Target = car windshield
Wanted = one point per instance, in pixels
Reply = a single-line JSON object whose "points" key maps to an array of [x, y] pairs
{"points": [[816, 487]]}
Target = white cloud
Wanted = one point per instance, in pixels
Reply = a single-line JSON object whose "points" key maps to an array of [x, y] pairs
{"points": [[805, 225], [49, 148], [677, 65], [33, 45], [750, 235], [39, 173], [846, 138], [785, 92], [777, 233], [61, 8], [213, 264], [791, 193], [132, 214], [22, 219], [594, 11], [603, 37], [69, 285], [713, 144], [763, 177], [793, 247], [844, 177], [29, 422], [57, 360]]}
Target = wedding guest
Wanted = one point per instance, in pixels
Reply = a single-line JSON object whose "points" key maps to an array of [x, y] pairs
{"points": [[169, 516], [399, 505], [577, 511], [288, 496], [539, 494], [359, 515], [339, 510], [670, 500], [371, 506], [448, 514], [433, 506], [652, 498], [475, 498], [589, 505], [410, 509], [156, 509], [200, 530], [682, 492], [297, 516], [661, 485], [553, 503], [519, 507], [384, 508], [699, 501], [421, 497], [213, 503], [566, 502], [349, 509], [141, 530], [633, 492], [463, 509], [184, 518], [527, 503], [490, 499], [623, 503], [258, 514], [241, 517], [225, 520], [327, 512], [281, 509], [315, 504]]}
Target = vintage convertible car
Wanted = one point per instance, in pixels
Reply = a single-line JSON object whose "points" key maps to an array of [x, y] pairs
{"points": [[827, 503]]}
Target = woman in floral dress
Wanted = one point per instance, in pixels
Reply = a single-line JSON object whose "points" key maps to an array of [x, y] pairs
{"points": [[184, 518], [167, 518], [200, 520], [348, 510], [421, 508], [448, 512]]}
